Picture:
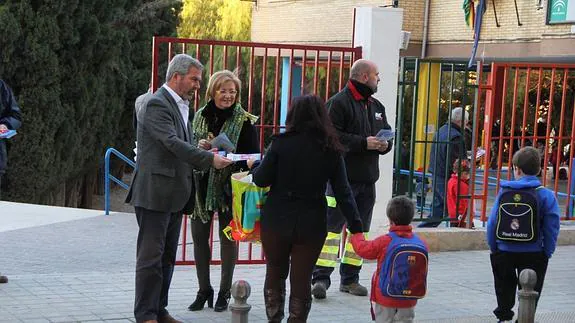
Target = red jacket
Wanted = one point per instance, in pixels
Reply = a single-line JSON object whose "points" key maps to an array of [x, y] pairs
{"points": [[452, 208], [376, 249]]}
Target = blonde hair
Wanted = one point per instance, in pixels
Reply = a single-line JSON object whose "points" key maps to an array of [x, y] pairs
{"points": [[218, 79]]}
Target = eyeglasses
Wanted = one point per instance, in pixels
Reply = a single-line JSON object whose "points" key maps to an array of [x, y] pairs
{"points": [[224, 92]]}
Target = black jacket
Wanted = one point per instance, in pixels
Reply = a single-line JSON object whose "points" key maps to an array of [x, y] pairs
{"points": [[441, 160], [355, 119], [297, 169]]}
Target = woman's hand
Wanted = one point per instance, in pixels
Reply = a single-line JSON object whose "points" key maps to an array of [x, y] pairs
{"points": [[204, 144]]}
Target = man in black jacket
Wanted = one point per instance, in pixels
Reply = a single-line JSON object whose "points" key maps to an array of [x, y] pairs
{"points": [[10, 119], [357, 117]]}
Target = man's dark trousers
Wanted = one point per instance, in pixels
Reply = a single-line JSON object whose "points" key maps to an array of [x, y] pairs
{"points": [[438, 206], [364, 194], [156, 256]]}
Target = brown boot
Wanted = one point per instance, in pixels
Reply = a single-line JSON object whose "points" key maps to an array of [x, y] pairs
{"points": [[3, 279], [275, 304], [298, 310], [168, 319]]}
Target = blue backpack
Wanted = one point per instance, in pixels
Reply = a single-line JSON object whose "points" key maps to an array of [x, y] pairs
{"points": [[403, 275]]}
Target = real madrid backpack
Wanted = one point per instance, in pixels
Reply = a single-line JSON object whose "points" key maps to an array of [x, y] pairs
{"points": [[518, 217]]}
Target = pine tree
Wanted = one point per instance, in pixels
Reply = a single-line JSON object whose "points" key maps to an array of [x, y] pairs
{"points": [[76, 68]]}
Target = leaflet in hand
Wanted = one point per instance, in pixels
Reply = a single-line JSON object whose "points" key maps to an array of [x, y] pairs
{"points": [[222, 142], [238, 157], [7, 134], [385, 134]]}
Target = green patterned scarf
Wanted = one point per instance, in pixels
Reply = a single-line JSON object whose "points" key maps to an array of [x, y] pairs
{"points": [[215, 195]]}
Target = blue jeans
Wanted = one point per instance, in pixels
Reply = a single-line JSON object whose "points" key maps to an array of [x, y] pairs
{"points": [[438, 204]]}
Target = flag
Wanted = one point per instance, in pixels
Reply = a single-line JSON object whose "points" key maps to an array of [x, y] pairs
{"points": [[481, 7], [469, 10]]}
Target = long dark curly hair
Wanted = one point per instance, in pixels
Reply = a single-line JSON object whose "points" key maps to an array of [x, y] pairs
{"points": [[308, 115]]}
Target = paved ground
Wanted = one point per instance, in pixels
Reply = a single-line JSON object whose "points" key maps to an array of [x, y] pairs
{"points": [[82, 270]]}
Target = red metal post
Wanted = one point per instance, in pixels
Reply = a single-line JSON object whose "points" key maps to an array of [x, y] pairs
{"points": [[263, 96], [571, 152], [290, 78], [328, 76], [559, 146], [538, 102], [197, 92], [211, 60], [303, 66], [184, 236], [474, 144], [341, 59], [549, 114], [315, 73], [225, 58], [276, 97], [512, 128], [238, 58], [488, 126], [525, 105], [251, 80], [501, 128]]}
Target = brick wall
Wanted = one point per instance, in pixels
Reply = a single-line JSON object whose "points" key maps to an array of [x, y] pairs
{"points": [[447, 23], [328, 22]]}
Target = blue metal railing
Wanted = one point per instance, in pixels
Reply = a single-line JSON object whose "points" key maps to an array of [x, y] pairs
{"points": [[108, 176]]}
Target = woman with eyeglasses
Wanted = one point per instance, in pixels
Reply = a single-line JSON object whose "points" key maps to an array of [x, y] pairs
{"points": [[222, 114]]}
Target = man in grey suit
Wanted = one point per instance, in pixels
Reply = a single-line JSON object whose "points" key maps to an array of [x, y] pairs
{"points": [[162, 188]]}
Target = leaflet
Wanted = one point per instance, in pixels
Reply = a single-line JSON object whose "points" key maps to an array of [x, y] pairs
{"points": [[238, 157], [7, 134], [385, 134]]}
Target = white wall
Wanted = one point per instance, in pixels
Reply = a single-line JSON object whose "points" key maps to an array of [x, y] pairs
{"points": [[378, 31]]}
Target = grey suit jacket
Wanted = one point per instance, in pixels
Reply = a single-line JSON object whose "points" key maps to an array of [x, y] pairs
{"points": [[167, 155]]}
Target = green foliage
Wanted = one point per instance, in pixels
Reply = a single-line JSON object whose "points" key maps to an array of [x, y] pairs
{"points": [[216, 19], [76, 68]]}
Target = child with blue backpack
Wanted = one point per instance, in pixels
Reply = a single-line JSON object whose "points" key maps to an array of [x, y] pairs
{"points": [[402, 261], [522, 230]]}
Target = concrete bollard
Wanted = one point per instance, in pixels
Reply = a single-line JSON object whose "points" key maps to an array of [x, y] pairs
{"points": [[527, 296], [240, 309]]}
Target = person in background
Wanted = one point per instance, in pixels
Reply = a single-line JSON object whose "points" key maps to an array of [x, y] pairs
{"points": [[448, 145], [10, 119], [297, 167], [140, 102], [457, 192], [223, 114]]}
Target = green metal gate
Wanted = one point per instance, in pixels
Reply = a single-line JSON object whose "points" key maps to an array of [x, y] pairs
{"points": [[428, 91]]}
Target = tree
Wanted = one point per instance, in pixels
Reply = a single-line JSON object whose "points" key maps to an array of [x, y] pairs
{"points": [[216, 19], [76, 68]]}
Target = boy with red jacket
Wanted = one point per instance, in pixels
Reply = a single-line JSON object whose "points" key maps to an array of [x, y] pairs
{"points": [[400, 211]]}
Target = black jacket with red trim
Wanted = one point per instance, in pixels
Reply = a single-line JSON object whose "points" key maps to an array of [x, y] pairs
{"points": [[356, 118]]}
